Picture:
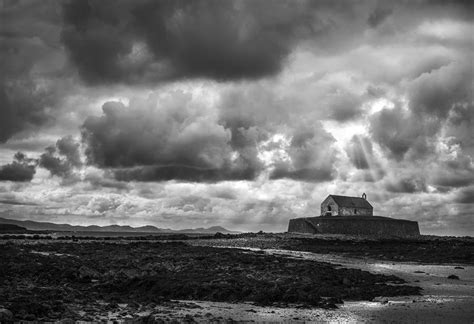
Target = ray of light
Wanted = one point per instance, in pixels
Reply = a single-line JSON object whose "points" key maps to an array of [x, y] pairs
{"points": [[373, 166]]}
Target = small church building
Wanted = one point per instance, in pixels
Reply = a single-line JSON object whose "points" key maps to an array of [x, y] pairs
{"points": [[352, 216], [335, 205]]}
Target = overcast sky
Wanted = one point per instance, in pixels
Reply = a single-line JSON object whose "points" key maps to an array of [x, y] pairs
{"points": [[242, 114]]}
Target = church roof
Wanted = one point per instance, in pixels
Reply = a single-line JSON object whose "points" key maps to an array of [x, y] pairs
{"points": [[355, 202]]}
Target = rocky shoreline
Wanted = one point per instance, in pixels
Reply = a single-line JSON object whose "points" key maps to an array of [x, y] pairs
{"points": [[52, 280], [423, 249]]}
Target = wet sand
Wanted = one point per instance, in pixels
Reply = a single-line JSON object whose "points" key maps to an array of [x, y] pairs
{"points": [[444, 300]]}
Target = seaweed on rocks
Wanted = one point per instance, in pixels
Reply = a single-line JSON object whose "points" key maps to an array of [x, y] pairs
{"points": [[47, 280]]}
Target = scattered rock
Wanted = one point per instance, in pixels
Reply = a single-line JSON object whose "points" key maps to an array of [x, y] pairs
{"points": [[30, 317], [458, 268], [5, 315], [88, 273], [182, 272], [454, 277], [418, 271], [380, 299]]}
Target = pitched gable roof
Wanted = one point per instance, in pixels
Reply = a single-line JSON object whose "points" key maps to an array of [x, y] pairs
{"points": [[354, 202]]}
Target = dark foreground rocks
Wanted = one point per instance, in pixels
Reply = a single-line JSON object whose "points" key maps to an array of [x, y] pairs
{"points": [[57, 280], [454, 277]]}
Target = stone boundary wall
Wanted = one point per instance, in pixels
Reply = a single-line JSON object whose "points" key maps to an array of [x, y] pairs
{"points": [[352, 225]]}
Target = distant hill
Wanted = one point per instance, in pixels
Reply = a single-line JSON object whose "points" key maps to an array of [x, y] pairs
{"points": [[45, 226], [11, 228]]}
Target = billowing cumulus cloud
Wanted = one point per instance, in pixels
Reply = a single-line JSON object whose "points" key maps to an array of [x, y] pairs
{"points": [[436, 92], [163, 138], [21, 169], [311, 157], [236, 113], [62, 159], [399, 131]]}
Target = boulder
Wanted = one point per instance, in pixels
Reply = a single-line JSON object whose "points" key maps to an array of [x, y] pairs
{"points": [[5, 315], [88, 273]]}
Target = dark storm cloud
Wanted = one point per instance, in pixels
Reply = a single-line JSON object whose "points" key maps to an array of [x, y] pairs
{"points": [[27, 59], [104, 179], [393, 131], [61, 159], [171, 140], [304, 174], [399, 131], [146, 41], [16, 202], [436, 92], [312, 157], [22, 107], [69, 148], [344, 106], [378, 16], [455, 173], [54, 164], [375, 92], [183, 173], [453, 179], [465, 196], [22, 169], [461, 8]]}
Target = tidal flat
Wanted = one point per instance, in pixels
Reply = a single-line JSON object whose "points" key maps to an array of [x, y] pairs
{"points": [[243, 278]]}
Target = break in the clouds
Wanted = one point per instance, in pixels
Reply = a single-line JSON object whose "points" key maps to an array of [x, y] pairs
{"points": [[235, 113]]}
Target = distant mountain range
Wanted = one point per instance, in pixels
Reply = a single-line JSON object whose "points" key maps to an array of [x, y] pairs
{"points": [[44, 226]]}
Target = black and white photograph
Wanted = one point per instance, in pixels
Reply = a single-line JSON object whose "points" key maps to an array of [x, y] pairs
{"points": [[236, 161]]}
